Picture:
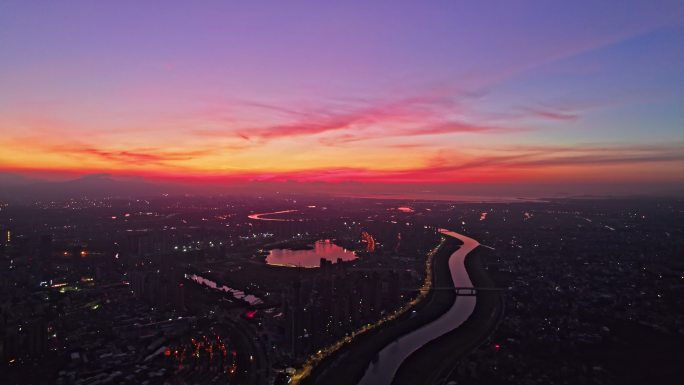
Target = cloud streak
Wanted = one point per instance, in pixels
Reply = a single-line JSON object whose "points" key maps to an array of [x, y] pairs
{"points": [[434, 113], [452, 168], [551, 114]]}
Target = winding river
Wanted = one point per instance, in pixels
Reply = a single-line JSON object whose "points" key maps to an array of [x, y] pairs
{"points": [[261, 216], [382, 370]]}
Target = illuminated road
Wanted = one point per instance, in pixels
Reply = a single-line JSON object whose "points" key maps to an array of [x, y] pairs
{"points": [[381, 371]]}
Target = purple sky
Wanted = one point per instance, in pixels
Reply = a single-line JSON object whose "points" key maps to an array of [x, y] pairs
{"points": [[450, 92]]}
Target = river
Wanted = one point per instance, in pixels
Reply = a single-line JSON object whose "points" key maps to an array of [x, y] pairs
{"points": [[260, 217], [382, 370], [238, 294]]}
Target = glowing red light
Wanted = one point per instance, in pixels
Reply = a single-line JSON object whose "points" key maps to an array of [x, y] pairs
{"points": [[250, 314], [497, 346]]}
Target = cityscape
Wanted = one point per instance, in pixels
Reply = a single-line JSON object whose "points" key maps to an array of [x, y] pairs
{"points": [[348, 193], [186, 290]]}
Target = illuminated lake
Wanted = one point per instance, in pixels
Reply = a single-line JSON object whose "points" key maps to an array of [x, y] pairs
{"points": [[310, 257]]}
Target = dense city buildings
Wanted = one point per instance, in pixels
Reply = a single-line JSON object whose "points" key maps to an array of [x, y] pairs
{"points": [[180, 290], [342, 192]]}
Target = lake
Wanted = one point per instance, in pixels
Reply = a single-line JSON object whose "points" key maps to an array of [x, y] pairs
{"points": [[309, 257]]}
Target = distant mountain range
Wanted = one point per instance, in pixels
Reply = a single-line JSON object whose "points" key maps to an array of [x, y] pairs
{"points": [[23, 189], [15, 187]]}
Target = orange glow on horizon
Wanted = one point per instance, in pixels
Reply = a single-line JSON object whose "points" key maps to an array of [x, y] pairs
{"points": [[385, 150]]}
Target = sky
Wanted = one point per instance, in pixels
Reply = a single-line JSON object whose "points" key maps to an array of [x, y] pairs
{"points": [[409, 93]]}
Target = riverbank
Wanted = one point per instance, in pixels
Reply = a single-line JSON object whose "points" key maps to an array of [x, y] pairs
{"points": [[435, 361], [348, 365]]}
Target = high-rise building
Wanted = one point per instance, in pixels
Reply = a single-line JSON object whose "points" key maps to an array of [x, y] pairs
{"points": [[7, 237], [45, 247], [178, 296], [36, 337], [138, 283]]}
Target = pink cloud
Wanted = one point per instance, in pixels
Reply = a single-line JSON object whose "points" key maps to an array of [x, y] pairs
{"points": [[552, 115], [412, 110]]}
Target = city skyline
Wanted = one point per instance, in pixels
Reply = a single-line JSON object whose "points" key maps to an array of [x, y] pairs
{"points": [[391, 95]]}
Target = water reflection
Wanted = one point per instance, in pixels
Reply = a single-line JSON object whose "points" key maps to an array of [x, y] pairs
{"points": [[310, 257], [239, 294]]}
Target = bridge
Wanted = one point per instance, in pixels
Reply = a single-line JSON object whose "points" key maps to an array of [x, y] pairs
{"points": [[463, 290]]}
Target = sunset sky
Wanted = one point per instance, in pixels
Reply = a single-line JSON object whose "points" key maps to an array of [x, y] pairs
{"points": [[406, 92]]}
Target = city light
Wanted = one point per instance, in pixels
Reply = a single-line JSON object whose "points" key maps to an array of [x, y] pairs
{"points": [[261, 193], [321, 354]]}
